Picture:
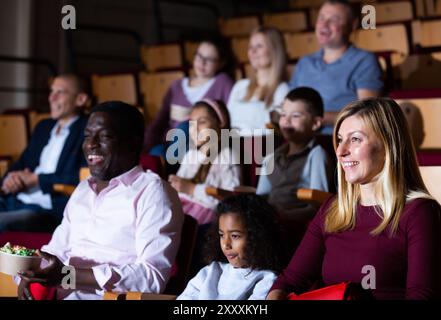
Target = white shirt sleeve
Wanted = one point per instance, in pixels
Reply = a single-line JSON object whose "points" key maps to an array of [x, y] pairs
{"points": [[158, 227]]}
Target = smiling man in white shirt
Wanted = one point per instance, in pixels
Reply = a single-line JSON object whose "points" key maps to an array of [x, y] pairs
{"points": [[121, 228]]}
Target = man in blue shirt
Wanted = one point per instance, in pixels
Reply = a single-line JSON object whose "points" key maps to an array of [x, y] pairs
{"points": [[28, 201], [340, 72]]}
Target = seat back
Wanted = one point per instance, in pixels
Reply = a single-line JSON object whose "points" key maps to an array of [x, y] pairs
{"points": [[239, 45], [181, 268], [426, 33], [305, 4], [4, 164], [417, 71], [313, 195], [68, 189], [384, 38], [252, 150], [84, 173], [12, 128], [396, 11], [341, 291], [35, 118], [325, 141], [8, 288]]}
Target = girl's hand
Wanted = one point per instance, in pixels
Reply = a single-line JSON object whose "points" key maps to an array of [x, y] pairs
{"points": [[181, 185]]}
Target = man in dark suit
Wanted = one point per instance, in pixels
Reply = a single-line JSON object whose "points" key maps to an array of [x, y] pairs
{"points": [[54, 155]]}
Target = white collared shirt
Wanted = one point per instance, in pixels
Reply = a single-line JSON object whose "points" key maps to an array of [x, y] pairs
{"points": [[48, 164]]}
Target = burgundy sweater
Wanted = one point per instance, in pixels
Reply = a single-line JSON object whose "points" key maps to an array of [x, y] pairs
{"points": [[407, 265]]}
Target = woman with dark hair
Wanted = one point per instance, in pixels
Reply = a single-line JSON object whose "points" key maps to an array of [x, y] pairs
{"points": [[383, 229], [243, 252], [209, 78]]}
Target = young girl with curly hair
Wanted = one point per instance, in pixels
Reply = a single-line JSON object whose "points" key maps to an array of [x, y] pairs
{"points": [[243, 252]]}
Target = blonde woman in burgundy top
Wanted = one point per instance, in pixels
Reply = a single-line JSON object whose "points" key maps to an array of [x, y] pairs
{"points": [[383, 224]]}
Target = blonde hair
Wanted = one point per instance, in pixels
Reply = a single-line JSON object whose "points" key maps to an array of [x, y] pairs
{"points": [[276, 46], [400, 179]]}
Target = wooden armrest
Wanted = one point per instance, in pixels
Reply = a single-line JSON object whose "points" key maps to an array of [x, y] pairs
{"points": [[218, 193], [114, 296], [65, 189], [312, 195], [149, 296]]}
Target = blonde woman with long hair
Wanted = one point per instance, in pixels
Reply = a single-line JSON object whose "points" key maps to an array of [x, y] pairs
{"points": [[252, 99], [383, 224]]}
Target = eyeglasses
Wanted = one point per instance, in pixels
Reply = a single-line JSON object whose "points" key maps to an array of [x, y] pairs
{"points": [[205, 59]]}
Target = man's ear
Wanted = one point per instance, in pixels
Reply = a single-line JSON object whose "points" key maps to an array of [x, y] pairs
{"points": [[81, 99], [317, 123]]}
